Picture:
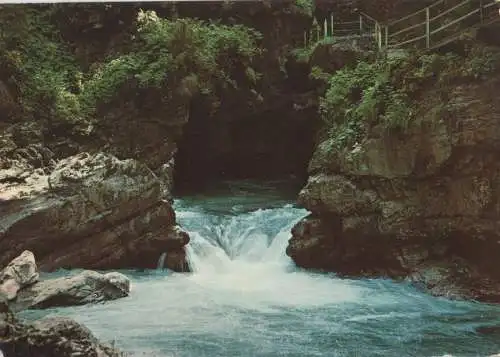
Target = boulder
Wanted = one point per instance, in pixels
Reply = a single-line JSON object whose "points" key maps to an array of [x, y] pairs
{"points": [[21, 272], [48, 337], [80, 289], [92, 211]]}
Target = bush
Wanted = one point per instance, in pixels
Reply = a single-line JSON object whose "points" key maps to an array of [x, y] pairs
{"points": [[386, 92], [33, 58], [186, 55], [307, 6]]}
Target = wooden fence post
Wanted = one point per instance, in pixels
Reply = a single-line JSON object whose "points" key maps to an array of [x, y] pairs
{"points": [[379, 36], [331, 23], [386, 36], [427, 27]]}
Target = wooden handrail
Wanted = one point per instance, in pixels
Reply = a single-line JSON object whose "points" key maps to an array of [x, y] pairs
{"points": [[454, 22], [415, 39], [406, 17], [382, 34], [446, 12], [428, 35], [407, 29]]}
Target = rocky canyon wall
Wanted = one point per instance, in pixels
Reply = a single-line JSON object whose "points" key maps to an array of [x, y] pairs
{"points": [[93, 112], [419, 201]]}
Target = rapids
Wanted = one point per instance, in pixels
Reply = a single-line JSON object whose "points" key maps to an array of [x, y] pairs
{"points": [[245, 298]]}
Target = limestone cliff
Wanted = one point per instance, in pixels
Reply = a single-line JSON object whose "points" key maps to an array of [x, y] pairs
{"points": [[420, 202]]}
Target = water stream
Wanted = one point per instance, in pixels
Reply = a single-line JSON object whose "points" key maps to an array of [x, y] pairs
{"points": [[245, 297]]}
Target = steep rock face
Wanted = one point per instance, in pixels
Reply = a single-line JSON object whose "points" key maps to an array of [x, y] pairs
{"points": [[89, 211], [262, 128], [423, 203], [145, 124]]}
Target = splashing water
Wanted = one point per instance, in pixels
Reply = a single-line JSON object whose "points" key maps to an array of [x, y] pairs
{"points": [[242, 256], [245, 298], [161, 261]]}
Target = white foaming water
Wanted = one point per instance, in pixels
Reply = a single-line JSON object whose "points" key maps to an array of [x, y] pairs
{"points": [[245, 298], [244, 256], [161, 261]]}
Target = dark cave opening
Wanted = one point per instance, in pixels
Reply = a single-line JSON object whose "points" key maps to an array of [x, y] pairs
{"points": [[275, 144]]}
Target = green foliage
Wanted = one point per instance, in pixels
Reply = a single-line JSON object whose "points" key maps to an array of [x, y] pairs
{"points": [[186, 55], [483, 61], [318, 74], [302, 54], [355, 99], [181, 56], [33, 58], [307, 6], [386, 92]]}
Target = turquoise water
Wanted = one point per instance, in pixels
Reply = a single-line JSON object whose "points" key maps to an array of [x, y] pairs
{"points": [[245, 297]]}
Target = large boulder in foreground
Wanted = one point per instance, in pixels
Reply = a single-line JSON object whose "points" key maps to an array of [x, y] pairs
{"points": [[83, 288], [21, 288], [21, 272], [48, 337], [91, 211]]}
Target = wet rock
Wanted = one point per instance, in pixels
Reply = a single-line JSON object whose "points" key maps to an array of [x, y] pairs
{"points": [[83, 288], [176, 238], [421, 204], [92, 211], [51, 337], [21, 272], [311, 243]]}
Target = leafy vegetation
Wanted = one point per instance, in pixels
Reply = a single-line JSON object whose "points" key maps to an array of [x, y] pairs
{"points": [[386, 92], [35, 62], [167, 54], [307, 6], [183, 56]]}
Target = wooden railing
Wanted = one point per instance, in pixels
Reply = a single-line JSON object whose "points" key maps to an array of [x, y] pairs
{"points": [[439, 23], [364, 26], [430, 27]]}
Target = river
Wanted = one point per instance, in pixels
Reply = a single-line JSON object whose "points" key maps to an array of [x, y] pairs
{"points": [[245, 298]]}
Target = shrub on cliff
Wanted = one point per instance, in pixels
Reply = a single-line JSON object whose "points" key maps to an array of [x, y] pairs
{"points": [[176, 57], [183, 55], [386, 92], [34, 63]]}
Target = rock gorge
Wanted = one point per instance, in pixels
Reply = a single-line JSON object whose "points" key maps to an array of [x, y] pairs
{"points": [[94, 191], [91, 185], [419, 204]]}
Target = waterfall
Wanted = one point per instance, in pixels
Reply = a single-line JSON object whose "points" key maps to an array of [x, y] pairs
{"points": [[223, 244], [161, 261], [243, 255]]}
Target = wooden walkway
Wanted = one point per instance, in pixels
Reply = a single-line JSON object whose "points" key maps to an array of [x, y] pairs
{"points": [[426, 29]]}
